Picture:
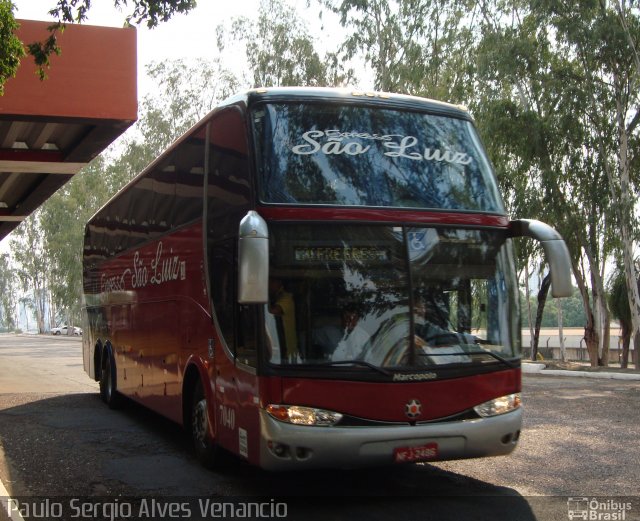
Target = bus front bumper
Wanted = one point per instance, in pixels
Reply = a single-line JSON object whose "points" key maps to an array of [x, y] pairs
{"points": [[284, 446]]}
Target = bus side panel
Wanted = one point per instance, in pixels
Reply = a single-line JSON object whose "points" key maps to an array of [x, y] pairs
{"points": [[145, 295], [226, 398], [155, 352], [237, 406]]}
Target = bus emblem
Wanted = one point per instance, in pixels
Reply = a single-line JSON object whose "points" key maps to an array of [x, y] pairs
{"points": [[413, 409]]}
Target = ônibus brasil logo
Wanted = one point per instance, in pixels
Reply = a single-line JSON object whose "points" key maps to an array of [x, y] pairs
{"points": [[594, 509]]}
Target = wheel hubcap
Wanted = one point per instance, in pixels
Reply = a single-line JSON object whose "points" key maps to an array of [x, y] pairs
{"points": [[199, 421]]}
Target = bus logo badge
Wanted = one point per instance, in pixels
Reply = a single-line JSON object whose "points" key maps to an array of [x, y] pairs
{"points": [[413, 409]]}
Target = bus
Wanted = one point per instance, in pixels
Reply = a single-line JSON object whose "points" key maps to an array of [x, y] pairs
{"points": [[316, 278]]}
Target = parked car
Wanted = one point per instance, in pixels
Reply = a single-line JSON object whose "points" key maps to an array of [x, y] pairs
{"points": [[64, 330]]}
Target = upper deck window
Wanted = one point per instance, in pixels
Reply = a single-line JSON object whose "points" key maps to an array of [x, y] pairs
{"points": [[332, 154]]}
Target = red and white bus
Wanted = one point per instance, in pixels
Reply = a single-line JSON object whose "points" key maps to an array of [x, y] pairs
{"points": [[316, 278]]}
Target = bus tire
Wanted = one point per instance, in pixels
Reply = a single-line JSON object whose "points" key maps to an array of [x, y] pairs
{"points": [[108, 391], [201, 436]]}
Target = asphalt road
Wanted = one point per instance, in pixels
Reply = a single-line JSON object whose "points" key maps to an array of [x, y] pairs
{"points": [[59, 443]]}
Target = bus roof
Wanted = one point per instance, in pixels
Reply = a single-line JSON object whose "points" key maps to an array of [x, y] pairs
{"points": [[328, 94]]}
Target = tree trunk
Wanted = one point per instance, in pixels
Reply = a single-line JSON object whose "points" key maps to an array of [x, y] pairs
{"points": [[591, 338], [606, 333], [17, 315], [49, 305], [563, 353], [26, 316], [632, 291], [40, 307], [542, 299], [626, 210], [625, 333], [527, 293], [601, 316], [590, 334]]}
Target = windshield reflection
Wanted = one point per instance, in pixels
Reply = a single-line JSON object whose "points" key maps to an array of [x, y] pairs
{"points": [[357, 156], [390, 296]]}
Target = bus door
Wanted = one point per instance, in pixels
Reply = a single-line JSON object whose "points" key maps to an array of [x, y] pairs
{"points": [[221, 270], [227, 200], [235, 360]]}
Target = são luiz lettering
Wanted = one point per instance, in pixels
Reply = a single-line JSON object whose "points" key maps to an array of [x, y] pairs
{"points": [[407, 147], [160, 269]]}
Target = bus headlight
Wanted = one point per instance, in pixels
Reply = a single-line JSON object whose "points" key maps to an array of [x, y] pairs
{"points": [[299, 415], [499, 405]]}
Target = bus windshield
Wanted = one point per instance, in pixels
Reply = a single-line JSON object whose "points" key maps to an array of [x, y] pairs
{"points": [[390, 296], [348, 155]]}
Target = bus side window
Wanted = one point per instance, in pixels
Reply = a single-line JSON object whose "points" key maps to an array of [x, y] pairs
{"points": [[228, 180]]}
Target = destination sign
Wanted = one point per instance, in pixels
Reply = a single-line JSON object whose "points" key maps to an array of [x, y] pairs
{"points": [[341, 254]]}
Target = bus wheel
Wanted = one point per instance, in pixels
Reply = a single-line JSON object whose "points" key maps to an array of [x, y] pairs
{"points": [[108, 391], [203, 443]]}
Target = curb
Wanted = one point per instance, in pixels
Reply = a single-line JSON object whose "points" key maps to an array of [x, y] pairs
{"points": [[534, 368]]}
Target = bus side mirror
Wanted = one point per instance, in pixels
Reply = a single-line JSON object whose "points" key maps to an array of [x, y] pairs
{"points": [[253, 260], [555, 250]]}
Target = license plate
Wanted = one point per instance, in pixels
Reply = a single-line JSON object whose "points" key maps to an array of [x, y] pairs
{"points": [[427, 452]]}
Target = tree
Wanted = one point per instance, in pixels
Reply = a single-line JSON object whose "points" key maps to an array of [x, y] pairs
{"points": [[186, 93], [604, 41], [412, 46], [31, 265], [279, 49], [10, 46], [7, 294], [151, 12], [531, 108], [62, 221], [572, 311]]}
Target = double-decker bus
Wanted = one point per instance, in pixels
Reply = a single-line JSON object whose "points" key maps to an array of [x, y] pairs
{"points": [[316, 278]]}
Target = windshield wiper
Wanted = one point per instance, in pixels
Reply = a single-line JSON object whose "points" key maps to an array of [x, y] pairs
{"points": [[354, 362], [506, 362]]}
